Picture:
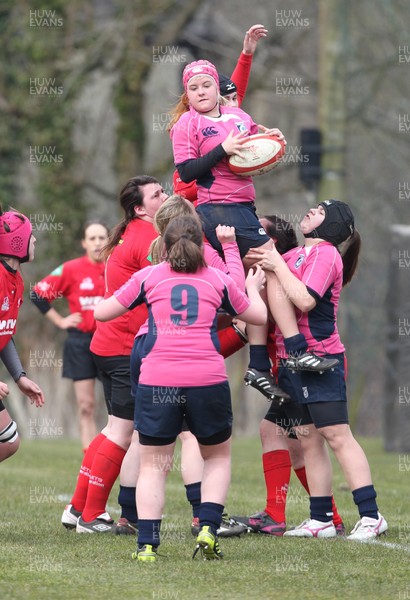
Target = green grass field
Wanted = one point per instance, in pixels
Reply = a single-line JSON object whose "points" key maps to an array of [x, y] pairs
{"points": [[39, 559]]}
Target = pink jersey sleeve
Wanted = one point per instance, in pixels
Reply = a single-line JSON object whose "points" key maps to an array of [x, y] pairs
{"points": [[184, 139], [213, 259], [235, 301], [323, 268], [131, 294], [232, 265]]}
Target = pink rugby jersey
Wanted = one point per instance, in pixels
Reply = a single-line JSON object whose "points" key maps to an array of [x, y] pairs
{"points": [[321, 270], [182, 341], [232, 266], [194, 135]]}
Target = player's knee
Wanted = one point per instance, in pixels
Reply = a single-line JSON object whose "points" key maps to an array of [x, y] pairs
{"points": [[264, 430], [9, 440], [9, 433], [86, 409]]}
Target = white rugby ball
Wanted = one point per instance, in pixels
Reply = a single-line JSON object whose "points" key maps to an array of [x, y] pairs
{"points": [[261, 151]]}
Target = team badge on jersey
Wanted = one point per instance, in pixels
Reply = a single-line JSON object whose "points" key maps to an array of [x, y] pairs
{"points": [[299, 261], [241, 127], [87, 284], [6, 303]]}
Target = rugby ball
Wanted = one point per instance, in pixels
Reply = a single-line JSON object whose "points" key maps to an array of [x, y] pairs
{"points": [[262, 152]]}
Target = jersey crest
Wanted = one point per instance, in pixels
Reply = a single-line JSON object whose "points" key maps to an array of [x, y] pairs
{"points": [[241, 127], [87, 284], [299, 261]]}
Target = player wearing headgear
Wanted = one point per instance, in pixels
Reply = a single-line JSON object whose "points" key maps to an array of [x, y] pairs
{"points": [[232, 90], [311, 278], [17, 245]]}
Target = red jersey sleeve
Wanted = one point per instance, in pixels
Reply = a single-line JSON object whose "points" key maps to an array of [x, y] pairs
{"points": [[240, 75], [54, 285]]}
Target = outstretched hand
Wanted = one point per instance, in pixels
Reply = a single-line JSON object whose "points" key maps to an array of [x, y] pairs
{"points": [[31, 390], [252, 37]]}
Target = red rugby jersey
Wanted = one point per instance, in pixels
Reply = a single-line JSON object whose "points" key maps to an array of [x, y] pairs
{"points": [[116, 337], [81, 282], [11, 298]]}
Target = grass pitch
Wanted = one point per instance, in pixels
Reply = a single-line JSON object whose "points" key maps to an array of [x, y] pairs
{"points": [[39, 559]]}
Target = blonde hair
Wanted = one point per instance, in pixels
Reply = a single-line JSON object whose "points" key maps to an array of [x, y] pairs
{"points": [[181, 107], [174, 206]]}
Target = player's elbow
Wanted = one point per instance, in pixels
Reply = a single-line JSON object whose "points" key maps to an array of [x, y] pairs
{"points": [[306, 304], [100, 314]]}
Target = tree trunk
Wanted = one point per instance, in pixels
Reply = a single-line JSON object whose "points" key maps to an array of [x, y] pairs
{"points": [[397, 389]]}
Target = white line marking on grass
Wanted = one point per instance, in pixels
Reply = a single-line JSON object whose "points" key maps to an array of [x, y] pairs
{"points": [[391, 545]]}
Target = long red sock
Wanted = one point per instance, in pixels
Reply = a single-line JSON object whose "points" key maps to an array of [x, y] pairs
{"points": [[276, 468], [301, 474], [105, 470], [81, 488]]}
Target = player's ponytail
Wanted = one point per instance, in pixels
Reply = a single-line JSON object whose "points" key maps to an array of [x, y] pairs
{"points": [[178, 110], [131, 196], [183, 245], [350, 256]]}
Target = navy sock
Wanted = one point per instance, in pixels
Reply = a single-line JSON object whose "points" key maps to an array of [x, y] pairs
{"points": [[148, 532], [259, 358], [365, 499], [211, 514], [193, 494], [296, 344], [126, 499], [321, 508]]}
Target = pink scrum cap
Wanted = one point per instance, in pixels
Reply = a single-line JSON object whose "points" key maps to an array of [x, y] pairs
{"points": [[199, 67], [15, 234]]}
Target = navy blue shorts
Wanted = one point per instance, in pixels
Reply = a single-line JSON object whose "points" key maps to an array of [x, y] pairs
{"points": [[306, 387], [78, 360], [241, 215], [116, 380], [277, 414], [160, 411], [317, 398], [137, 354]]}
